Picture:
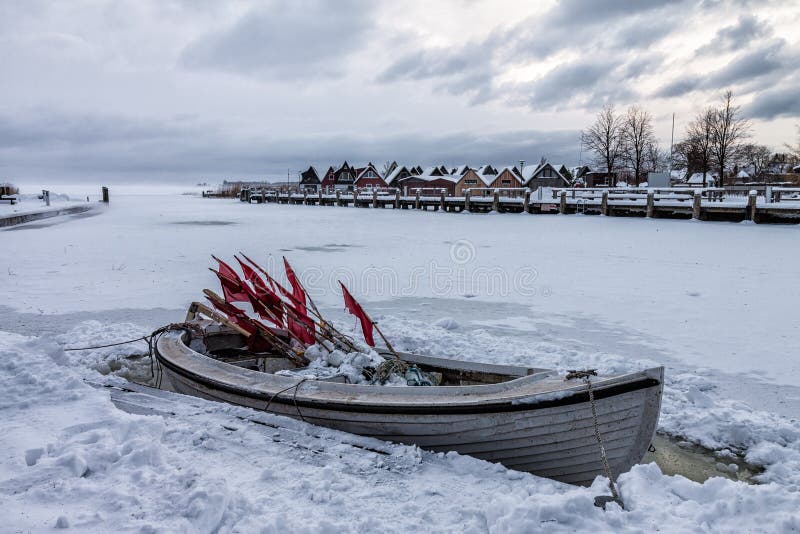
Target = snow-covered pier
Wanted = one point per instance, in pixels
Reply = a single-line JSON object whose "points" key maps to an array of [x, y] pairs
{"points": [[779, 205], [13, 219]]}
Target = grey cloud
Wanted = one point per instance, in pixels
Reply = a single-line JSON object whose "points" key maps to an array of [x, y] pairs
{"points": [[577, 81], [438, 62], [641, 65], [114, 147], [572, 25], [577, 12], [731, 38], [750, 65], [777, 102], [770, 59], [298, 39], [678, 87]]}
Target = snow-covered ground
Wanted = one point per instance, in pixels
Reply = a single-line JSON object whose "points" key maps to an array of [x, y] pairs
{"points": [[714, 302]]}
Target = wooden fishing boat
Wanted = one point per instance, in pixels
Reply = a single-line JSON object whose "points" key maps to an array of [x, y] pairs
{"points": [[527, 419]]}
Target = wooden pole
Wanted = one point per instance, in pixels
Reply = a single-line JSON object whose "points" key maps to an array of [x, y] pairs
{"points": [[294, 355], [322, 323], [696, 205], [751, 205], [388, 345]]}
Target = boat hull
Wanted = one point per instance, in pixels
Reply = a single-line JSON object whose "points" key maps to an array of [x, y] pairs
{"points": [[551, 435]]}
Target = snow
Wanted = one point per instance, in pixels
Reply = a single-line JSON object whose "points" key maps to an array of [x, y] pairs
{"points": [[33, 205], [714, 302]]}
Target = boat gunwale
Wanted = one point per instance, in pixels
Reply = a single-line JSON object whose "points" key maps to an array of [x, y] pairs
{"points": [[425, 399]]}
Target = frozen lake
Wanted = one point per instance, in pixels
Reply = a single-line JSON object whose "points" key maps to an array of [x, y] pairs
{"points": [[714, 302], [715, 295]]}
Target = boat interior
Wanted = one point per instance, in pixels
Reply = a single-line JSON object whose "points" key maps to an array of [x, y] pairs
{"points": [[230, 347]]}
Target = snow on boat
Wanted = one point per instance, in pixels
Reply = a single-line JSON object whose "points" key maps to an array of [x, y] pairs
{"points": [[527, 419]]}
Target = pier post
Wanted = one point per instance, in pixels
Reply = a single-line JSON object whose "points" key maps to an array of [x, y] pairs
{"points": [[527, 202], [319, 194], [467, 194], [441, 200], [397, 199], [46, 196], [651, 198], [416, 201], [496, 201], [355, 198], [604, 203], [374, 198], [562, 208], [696, 203], [305, 197], [105, 194], [339, 197], [751, 205]]}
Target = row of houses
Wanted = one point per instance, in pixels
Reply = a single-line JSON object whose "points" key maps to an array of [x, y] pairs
{"points": [[454, 181]]}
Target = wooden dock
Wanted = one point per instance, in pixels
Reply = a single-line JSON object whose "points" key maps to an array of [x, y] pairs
{"points": [[779, 205]]}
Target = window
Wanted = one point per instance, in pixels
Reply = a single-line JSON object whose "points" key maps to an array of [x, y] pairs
{"points": [[506, 182], [470, 182]]}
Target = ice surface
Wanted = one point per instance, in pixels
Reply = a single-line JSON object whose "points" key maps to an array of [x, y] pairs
{"points": [[711, 300]]}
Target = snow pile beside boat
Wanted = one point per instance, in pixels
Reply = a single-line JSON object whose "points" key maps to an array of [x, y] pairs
{"points": [[71, 459], [129, 361]]}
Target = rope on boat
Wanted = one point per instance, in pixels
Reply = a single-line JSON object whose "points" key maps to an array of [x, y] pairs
{"points": [[143, 338], [600, 501], [294, 398], [151, 340]]}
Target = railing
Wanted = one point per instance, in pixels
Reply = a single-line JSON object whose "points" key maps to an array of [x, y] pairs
{"points": [[505, 192], [427, 191], [778, 194], [640, 193]]}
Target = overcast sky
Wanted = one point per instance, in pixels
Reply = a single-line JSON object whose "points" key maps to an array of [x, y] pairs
{"points": [[184, 91]]}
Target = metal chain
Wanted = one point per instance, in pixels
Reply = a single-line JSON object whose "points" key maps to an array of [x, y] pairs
{"points": [[603, 456], [586, 376]]}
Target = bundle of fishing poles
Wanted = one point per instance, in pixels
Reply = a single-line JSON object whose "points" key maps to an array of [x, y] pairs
{"points": [[288, 320]]}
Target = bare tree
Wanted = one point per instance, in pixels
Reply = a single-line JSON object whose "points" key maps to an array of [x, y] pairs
{"points": [[388, 167], [656, 159], [794, 150], [700, 133], [637, 136], [728, 130], [756, 157], [604, 139]]}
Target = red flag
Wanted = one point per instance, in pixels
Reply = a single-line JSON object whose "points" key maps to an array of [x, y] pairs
{"points": [[355, 308], [235, 315], [259, 307], [298, 292], [256, 342], [272, 283], [251, 275], [264, 300], [232, 288], [299, 298]]}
